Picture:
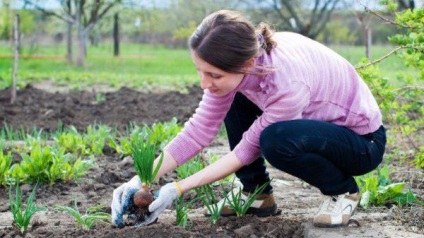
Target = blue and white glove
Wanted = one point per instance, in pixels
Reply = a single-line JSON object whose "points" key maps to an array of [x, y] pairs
{"points": [[123, 199], [167, 195]]}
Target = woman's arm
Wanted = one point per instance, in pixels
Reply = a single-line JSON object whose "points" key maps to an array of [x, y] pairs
{"points": [[225, 166], [168, 164]]}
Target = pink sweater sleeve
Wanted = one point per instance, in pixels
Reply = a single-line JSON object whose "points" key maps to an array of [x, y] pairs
{"points": [[201, 128]]}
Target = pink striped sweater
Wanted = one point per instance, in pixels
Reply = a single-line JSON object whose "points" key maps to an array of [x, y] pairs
{"points": [[310, 82]]}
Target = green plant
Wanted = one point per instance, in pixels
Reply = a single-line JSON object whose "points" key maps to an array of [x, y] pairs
{"points": [[240, 205], [207, 195], [144, 155], [96, 137], [89, 219], [73, 142], [48, 164], [378, 190], [5, 162], [401, 98], [189, 168], [182, 209], [22, 216]]}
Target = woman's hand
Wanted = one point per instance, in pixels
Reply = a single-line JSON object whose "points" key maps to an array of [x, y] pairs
{"points": [[167, 196], [123, 199]]}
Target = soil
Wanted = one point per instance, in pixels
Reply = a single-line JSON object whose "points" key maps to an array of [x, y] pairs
{"points": [[297, 200]]}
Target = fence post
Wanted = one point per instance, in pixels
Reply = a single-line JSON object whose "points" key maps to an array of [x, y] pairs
{"points": [[16, 59]]}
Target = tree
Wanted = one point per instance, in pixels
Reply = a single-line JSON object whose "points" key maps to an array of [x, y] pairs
{"points": [[305, 17], [84, 14]]}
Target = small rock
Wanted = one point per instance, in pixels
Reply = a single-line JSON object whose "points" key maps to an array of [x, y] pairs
{"points": [[244, 230]]}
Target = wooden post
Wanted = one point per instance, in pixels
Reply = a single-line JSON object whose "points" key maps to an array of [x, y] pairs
{"points": [[368, 41], [16, 60], [116, 35]]}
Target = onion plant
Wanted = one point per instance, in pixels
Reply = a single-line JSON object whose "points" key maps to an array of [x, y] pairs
{"points": [[144, 155], [22, 215], [207, 195], [182, 209], [89, 219], [240, 205]]}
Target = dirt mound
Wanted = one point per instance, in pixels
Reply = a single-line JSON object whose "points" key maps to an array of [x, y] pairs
{"points": [[41, 109]]}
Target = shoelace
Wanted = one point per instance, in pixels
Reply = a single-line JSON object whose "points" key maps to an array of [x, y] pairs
{"points": [[330, 203]]}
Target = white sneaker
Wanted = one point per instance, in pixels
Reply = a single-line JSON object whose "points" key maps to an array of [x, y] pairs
{"points": [[336, 210]]}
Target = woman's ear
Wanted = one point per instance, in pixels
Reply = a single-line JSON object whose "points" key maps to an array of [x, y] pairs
{"points": [[249, 63]]}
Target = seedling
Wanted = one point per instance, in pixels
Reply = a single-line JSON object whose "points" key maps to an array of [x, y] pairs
{"points": [[22, 216], [5, 162], [190, 168], [92, 216], [182, 211], [144, 154], [240, 205], [209, 199]]}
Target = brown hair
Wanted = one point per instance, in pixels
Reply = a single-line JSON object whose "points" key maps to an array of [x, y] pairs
{"points": [[226, 40]]}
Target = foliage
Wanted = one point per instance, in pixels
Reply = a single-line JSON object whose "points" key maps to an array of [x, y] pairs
{"points": [[90, 143], [191, 167], [238, 204], [161, 133], [92, 216], [5, 162], [144, 155], [401, 101], [183, 33], [22, 216], [207, 195], [48, 164], [378, 190]]}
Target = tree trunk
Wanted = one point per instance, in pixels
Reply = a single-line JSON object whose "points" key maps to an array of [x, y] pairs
{"points": [[16, 60], [70, 54], [116, 35], [80, 36]]}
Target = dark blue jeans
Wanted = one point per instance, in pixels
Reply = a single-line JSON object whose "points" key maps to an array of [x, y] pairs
{"points": [[322, 154]]}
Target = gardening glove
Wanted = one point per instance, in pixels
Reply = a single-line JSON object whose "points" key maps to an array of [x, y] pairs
{"points": [[166, 197], [123, 199]]}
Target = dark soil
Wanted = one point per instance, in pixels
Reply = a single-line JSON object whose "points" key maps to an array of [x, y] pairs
{"points": [[37, 108], [44, 110]]}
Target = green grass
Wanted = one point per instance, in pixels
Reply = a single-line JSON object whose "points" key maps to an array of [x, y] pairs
{"points": [[139, 66], [389, 67]]}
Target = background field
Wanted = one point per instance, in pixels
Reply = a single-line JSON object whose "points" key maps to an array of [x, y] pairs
{"points": [[139, 66]]}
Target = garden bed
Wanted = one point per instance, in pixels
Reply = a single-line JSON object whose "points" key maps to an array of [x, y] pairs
{"points": [[297, 200]]}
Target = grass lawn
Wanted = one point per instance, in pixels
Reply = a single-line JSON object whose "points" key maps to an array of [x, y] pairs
{"points": [[139, 66]]}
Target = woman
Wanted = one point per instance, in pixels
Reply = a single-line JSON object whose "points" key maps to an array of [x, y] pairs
{"points": [[285, 99]]}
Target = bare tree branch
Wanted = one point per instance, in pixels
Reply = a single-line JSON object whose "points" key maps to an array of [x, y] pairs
{"points": [[383, 57], [50, 13]]}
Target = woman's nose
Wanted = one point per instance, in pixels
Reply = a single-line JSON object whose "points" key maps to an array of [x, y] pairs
{"points": [[205, 81]]}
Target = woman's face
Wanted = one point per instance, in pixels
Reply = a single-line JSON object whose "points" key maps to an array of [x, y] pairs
{"points": [[215, 80]]}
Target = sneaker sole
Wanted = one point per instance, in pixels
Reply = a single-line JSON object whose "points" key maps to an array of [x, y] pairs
{"points": [[334, 225]]}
